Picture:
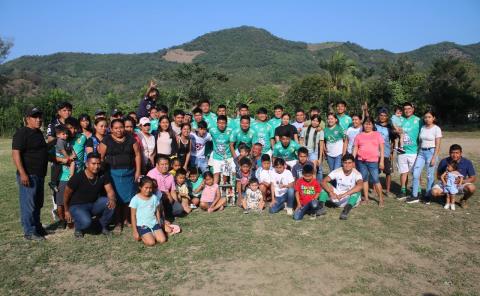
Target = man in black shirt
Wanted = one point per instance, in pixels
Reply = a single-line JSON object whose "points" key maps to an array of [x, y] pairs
{"points": [[84, 197], [30, 156]]}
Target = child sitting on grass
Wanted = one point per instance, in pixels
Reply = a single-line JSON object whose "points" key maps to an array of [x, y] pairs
{"points": [[211, 200], [244, 174], [182, 189], [282, 187], [253, 198], [449, 179], [194, 184], [307, 191], [148, 225], [264, 177]]}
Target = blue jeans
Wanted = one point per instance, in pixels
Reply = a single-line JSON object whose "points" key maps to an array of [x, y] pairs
{"points": [[82, 213], [200, 163], [31, 202], [312, 156], [423, 159], [288, 197], [310, 208], [368, 168], [334, 162]]}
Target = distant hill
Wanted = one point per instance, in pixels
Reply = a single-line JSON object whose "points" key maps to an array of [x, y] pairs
{"points": [[250, 56]]}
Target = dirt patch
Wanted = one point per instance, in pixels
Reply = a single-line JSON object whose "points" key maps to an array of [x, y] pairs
{"points": [[182, 56]]}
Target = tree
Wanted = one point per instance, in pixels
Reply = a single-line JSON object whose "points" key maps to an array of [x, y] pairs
{"points": [[450, 91], [5, 47], [311, 90], [338, 67]]}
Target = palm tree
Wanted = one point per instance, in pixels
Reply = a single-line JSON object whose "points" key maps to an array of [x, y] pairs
{"points": [[338, 66]]}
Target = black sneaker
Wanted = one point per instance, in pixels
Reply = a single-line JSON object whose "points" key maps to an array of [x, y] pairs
{"points": [[41, 231], [53, 186], [62, 224], [401, 196], [320, 212], [106, 232], [412, 199], [34, 237], [344, 214], [78, 234]]}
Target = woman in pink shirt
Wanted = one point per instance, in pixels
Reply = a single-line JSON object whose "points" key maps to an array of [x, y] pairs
{"points": [[368, 151]]}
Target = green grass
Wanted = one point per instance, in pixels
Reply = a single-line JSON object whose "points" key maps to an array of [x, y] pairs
{"points": [[399, 250]]}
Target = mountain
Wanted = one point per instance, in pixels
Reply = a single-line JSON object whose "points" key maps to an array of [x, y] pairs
{"points": [[249, 55]]}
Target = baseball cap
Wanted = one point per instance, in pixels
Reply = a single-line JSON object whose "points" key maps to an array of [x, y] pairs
{"points": [[100, 112], [383, 110], [33, 111], [144, 120], [116, 112]]}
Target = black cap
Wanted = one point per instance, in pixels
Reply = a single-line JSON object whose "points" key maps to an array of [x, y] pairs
{"points": [[383, 110], [33, 111], [116, 112], [100, 112], [64, 105]]}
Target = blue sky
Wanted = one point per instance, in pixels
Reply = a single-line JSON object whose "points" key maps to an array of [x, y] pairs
{"points": [[107, 26]]}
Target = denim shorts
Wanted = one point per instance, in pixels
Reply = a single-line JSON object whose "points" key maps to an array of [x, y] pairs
{"points": [[368, 168], [142, 230]]}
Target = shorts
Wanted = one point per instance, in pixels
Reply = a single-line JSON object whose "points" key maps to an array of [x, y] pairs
{"points": [[406, 162], [217, 165], [369, 170], [440, 186], [387, 166], [60, 193], [142, 230]]}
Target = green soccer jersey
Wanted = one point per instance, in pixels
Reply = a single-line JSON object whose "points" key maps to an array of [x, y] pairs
{"points": [[264, 133], [345, 121], [287, 153], [275, 122], [411, 129], [239, 136], [78, 145], [211, 119], [221, 143]]}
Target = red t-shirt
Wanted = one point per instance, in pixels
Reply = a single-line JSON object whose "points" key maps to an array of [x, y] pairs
{"points": [[307, 190]]}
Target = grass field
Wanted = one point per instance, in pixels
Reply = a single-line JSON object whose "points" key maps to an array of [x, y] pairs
{"points": [[399, 250]]}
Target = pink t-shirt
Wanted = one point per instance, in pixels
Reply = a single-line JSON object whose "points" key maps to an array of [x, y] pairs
{"points": [[165, 182], [368, 146], [208, 193]]}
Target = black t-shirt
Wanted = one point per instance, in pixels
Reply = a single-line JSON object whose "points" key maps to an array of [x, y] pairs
{"points": [[120, 155], [33, 150], [87, 190], [290, 129], [51, 127]]}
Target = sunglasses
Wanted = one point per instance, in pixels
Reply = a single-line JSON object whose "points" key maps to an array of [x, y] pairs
{"points": [[146, 124]]}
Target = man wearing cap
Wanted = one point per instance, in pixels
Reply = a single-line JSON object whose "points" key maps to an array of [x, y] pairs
{"points": [[116, 114], [100, 114], [30, 156], [148, 101], [388, 135], [64, 111]]}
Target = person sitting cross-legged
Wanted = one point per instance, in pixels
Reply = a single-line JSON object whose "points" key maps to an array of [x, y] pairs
{"points": [[307, 191], [83, 197], [346, 192]]}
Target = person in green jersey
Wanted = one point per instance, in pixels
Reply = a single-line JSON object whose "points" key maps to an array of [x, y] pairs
{"points": [[221, 135], [286, 149], [344, 120], [222, 110], [209, 117], [242, 111], [276, 120], [334, 137], [265, 133], [244, 134], [197, 117], [410, 130]]}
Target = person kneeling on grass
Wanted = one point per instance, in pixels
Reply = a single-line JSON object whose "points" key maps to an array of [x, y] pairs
{"points": [[349, 183], [307, 191], [253, 198], [282, 188], [211, 199], [148, 223]]}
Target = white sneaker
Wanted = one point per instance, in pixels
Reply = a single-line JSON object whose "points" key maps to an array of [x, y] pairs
{"points": [[447, 206], [289, 211], [452, 207]]}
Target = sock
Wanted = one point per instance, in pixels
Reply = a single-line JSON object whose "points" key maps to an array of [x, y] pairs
{"points": [[403, 190]]}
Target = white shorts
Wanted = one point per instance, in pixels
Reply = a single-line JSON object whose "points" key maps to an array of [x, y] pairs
{"points": [[405, 162], [440, 186], [217, 164]]}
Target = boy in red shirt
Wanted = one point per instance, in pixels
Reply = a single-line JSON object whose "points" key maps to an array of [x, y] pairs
{"points": [[307, 190]]}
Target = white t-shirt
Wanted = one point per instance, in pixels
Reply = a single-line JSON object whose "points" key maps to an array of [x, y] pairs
{"points": [[428, 136], [164, 143], [299, 126], [281, 179], [198, 144], [351, 133], [344, 182], [148, 146], [264, 176]]}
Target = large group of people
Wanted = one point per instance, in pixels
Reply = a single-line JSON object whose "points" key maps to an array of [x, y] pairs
{"points": [[142, 169]]}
